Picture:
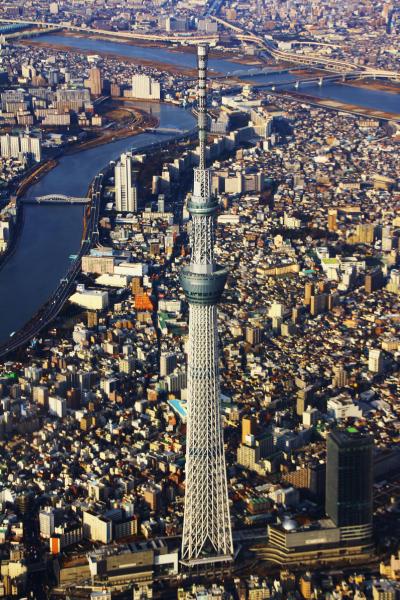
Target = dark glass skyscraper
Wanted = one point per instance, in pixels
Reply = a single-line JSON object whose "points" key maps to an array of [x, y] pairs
{"points": [[349, 478]]}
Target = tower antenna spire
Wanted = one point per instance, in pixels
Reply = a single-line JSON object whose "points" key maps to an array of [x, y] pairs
{"points": [[202, 60]]}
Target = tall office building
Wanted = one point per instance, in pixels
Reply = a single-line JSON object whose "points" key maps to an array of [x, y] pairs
{"points": [[375, 360], [387, 239], [249, 427], [95, 83], [332, 219], [373, 280], [365, 233], [349, 478], [167, 363], [340, 376], [125, 188], [145, 87], [207, 535], [308, 293]]}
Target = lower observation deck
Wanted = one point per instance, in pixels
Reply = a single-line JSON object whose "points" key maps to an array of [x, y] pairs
{"points": [[203, 288], [201, 208]]}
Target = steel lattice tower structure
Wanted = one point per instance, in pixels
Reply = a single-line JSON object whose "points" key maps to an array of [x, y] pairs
{"points": [[207, 535]]}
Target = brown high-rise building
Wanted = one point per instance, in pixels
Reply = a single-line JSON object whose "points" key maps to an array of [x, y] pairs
{"points": [[136, 286], [95, 83], [92, 318], [41, 395], [115, 90], [249, 425], [308, 292], [253, 335], [373, 281], [332, 219], [318, 304], [152, 497], [365, 233]]}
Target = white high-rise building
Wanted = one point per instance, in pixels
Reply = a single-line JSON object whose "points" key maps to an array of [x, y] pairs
{"points": [[125, 189], [12, 145], [145, 87], [5, 146], [375, 360], [46, 522]]}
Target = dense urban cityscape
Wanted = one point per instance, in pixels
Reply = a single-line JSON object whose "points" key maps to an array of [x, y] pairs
{"points": [[200, 299]]}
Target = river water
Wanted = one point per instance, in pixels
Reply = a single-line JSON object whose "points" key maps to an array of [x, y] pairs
{"points": [[50, 234], [162, 55], [384, 101]]}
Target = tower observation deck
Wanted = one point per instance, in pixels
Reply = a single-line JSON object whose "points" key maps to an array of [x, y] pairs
{"points": [[207, 535]]}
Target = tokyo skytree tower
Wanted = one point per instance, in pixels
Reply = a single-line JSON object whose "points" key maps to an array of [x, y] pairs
{"points": [[207, 535]]}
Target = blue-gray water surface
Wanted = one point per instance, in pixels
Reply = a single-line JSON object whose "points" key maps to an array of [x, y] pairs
{"points": [[50, 234], [161, 55]]}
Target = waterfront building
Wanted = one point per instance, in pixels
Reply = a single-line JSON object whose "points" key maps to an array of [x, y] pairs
{"points": [[125, 188], [145, 87], [12, 146], [207, 536]]}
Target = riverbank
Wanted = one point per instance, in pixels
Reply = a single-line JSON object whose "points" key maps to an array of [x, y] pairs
{"points": [[143, 121], [174, 70], [34, 174], [177, 61], [172, 46], [374, 84], [336, 105]]}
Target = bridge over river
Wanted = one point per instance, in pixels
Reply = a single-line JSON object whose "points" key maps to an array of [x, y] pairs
{"points": [[56, 199]]}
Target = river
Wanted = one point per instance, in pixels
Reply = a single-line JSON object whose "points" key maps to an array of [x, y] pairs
{"points": [[367, 98], [50, 234], [162, 55]]}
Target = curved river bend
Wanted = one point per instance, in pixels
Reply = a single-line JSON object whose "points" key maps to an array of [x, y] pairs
{"points": [[50, 234]]}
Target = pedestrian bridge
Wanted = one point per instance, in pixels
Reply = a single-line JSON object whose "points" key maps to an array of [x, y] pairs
{"points": [[58, 199]]}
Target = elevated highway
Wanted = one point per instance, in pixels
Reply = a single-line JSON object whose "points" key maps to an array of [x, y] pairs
{"points": [[171, 37], [312, 59]]}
